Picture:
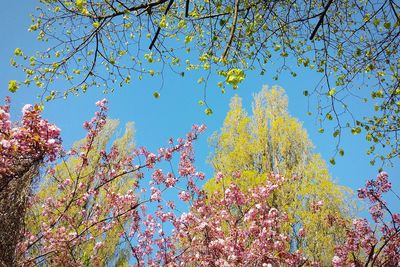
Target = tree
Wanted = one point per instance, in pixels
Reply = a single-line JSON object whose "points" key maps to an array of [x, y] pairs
{"points": [[249, 148], [58, 183], [237, 228], [75, 218], [373, 245], [353, 44], [93, 209], [24, 147]]}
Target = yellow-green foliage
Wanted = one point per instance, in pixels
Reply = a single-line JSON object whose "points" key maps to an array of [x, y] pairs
{"points": [[270, 140], [113, 252]]}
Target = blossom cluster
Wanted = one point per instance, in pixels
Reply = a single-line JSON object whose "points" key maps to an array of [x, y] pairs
{"points": [[32, 140], [373, 192], [377, 245], [235, 228]]}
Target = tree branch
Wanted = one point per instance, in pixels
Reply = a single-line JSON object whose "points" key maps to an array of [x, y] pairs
{"points": [[159, 28], [233, 29], [187, 9], [321, 19]]}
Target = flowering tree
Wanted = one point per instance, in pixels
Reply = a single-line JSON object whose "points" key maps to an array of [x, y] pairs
{"points": [[251, 146], [237, 228], [373, 245], [94, 208], [86, 217], [100, 212], [240, 228], [24, 146], [58, 183]]}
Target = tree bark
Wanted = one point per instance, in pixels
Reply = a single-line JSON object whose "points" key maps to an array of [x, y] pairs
{"points": [[13, 201]]}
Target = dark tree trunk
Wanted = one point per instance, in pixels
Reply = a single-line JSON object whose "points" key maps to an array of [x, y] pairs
{"points": [[13, 200]]}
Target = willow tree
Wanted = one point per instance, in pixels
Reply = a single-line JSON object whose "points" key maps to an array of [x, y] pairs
{"points": [[352, 44], [57, 186], [249, 148]]}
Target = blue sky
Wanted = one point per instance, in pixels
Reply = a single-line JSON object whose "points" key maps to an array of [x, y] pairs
{"points": [[176, 110]]}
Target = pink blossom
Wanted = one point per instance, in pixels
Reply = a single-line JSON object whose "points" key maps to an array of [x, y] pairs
{"points": [[102, 104], [316, 205], [155, 194], [302, 232], [219, 177], [184, 196], [336, 261], [236, 174], [26, 108], [158, 176], [170, 181], [5, 143], [151, 160], [98, 246]]}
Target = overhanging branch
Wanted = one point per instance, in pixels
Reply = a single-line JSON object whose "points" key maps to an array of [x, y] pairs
{"points": [[321, 19]]}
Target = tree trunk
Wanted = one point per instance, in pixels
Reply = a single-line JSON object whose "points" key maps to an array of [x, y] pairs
{"points": [[13, 200]]}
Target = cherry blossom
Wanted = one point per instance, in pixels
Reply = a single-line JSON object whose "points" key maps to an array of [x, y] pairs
{"points": [[164, 218], [235, 229], [372, 245], [24, 146], [73, 216]]}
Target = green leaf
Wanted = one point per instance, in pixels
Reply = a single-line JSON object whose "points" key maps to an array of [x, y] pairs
{"points": [[80, 3], [387, 25], [13, 86], [376, 22], [156, 95], [355, 130], [18, 52], [163, 22], [96, 24], [234, 77], [208, 111], [336, 133]]}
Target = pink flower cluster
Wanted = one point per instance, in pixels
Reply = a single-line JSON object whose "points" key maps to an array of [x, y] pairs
{"points": [[235, 228], [373, 192], [372, 246], [29, 141]]}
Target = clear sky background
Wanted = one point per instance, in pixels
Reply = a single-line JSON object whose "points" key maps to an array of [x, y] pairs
{"points": [[176, 110]]}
